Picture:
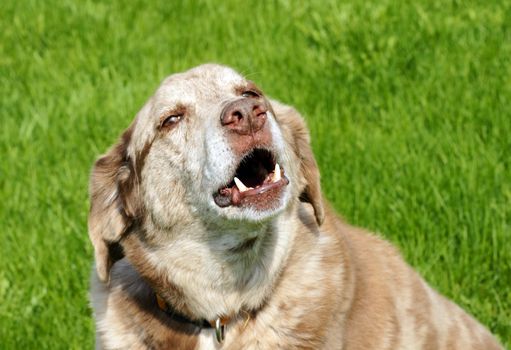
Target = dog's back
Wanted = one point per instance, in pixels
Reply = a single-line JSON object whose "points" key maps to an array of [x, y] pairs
{"points": [[393, 308]]}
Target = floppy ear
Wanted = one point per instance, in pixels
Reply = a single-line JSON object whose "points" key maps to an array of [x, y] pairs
{"points": [[112, 206], [296, 133]]}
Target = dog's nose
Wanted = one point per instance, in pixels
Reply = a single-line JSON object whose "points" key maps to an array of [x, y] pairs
{"points": [[244, 116]]}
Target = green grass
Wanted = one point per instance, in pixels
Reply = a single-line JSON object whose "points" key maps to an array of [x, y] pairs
{"points": [[408, 106]]}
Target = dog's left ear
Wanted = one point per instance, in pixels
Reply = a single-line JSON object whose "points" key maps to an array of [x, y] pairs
{"points": [[113, 204], [296, 133]]}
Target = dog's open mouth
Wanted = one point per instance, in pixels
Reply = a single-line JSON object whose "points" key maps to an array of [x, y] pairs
{"points": [[258, 181]]}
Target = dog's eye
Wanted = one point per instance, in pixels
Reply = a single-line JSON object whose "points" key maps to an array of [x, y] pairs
{"points": [[249, 93], [171, 120]]}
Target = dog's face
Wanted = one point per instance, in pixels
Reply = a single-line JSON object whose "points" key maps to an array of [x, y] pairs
{"points": [[207, 147], [215, 148]]}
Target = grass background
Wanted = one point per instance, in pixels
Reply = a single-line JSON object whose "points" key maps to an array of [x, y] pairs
{"points": [[408, 106]]}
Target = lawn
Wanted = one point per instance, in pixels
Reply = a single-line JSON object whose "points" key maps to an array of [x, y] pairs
{"points": [[408, 106]]}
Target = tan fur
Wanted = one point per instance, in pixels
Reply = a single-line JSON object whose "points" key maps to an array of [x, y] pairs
{"points": [[307, 279]]}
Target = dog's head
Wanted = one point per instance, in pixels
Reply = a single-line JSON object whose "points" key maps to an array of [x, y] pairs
{"points": [[209, 147]]}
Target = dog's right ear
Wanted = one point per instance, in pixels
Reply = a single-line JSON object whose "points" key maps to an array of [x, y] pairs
{"points": [[297, 135], [112, 186]]}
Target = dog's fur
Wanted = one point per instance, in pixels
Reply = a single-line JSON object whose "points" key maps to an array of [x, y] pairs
{"points": [[290, 274]]}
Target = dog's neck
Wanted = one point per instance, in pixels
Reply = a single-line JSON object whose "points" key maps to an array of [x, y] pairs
{"points": [[207, 271]]}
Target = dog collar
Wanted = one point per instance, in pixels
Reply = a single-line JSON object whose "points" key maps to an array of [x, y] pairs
{"points": [[218, 324]]}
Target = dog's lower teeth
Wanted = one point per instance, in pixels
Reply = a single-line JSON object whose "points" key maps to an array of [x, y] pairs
{"points": [[241, 186], [276, 175], [272, 178]]}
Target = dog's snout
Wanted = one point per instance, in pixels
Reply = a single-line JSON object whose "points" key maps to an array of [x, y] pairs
{"points": [[244, 116]]}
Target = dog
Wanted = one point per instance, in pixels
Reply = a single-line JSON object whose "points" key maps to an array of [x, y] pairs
{"points": [[210, 232]]}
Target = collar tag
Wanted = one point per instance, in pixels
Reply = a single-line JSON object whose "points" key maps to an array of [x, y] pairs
{"points": [[219, 330]]}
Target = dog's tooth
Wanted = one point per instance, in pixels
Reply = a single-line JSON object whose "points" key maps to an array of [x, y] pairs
{"points": [[276, 174], [240, 185]]}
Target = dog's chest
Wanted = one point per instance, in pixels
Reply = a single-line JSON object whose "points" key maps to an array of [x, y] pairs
{"points": [[206, 341]]}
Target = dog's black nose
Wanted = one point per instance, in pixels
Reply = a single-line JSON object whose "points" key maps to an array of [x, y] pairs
{"points": [[244, 117]]}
